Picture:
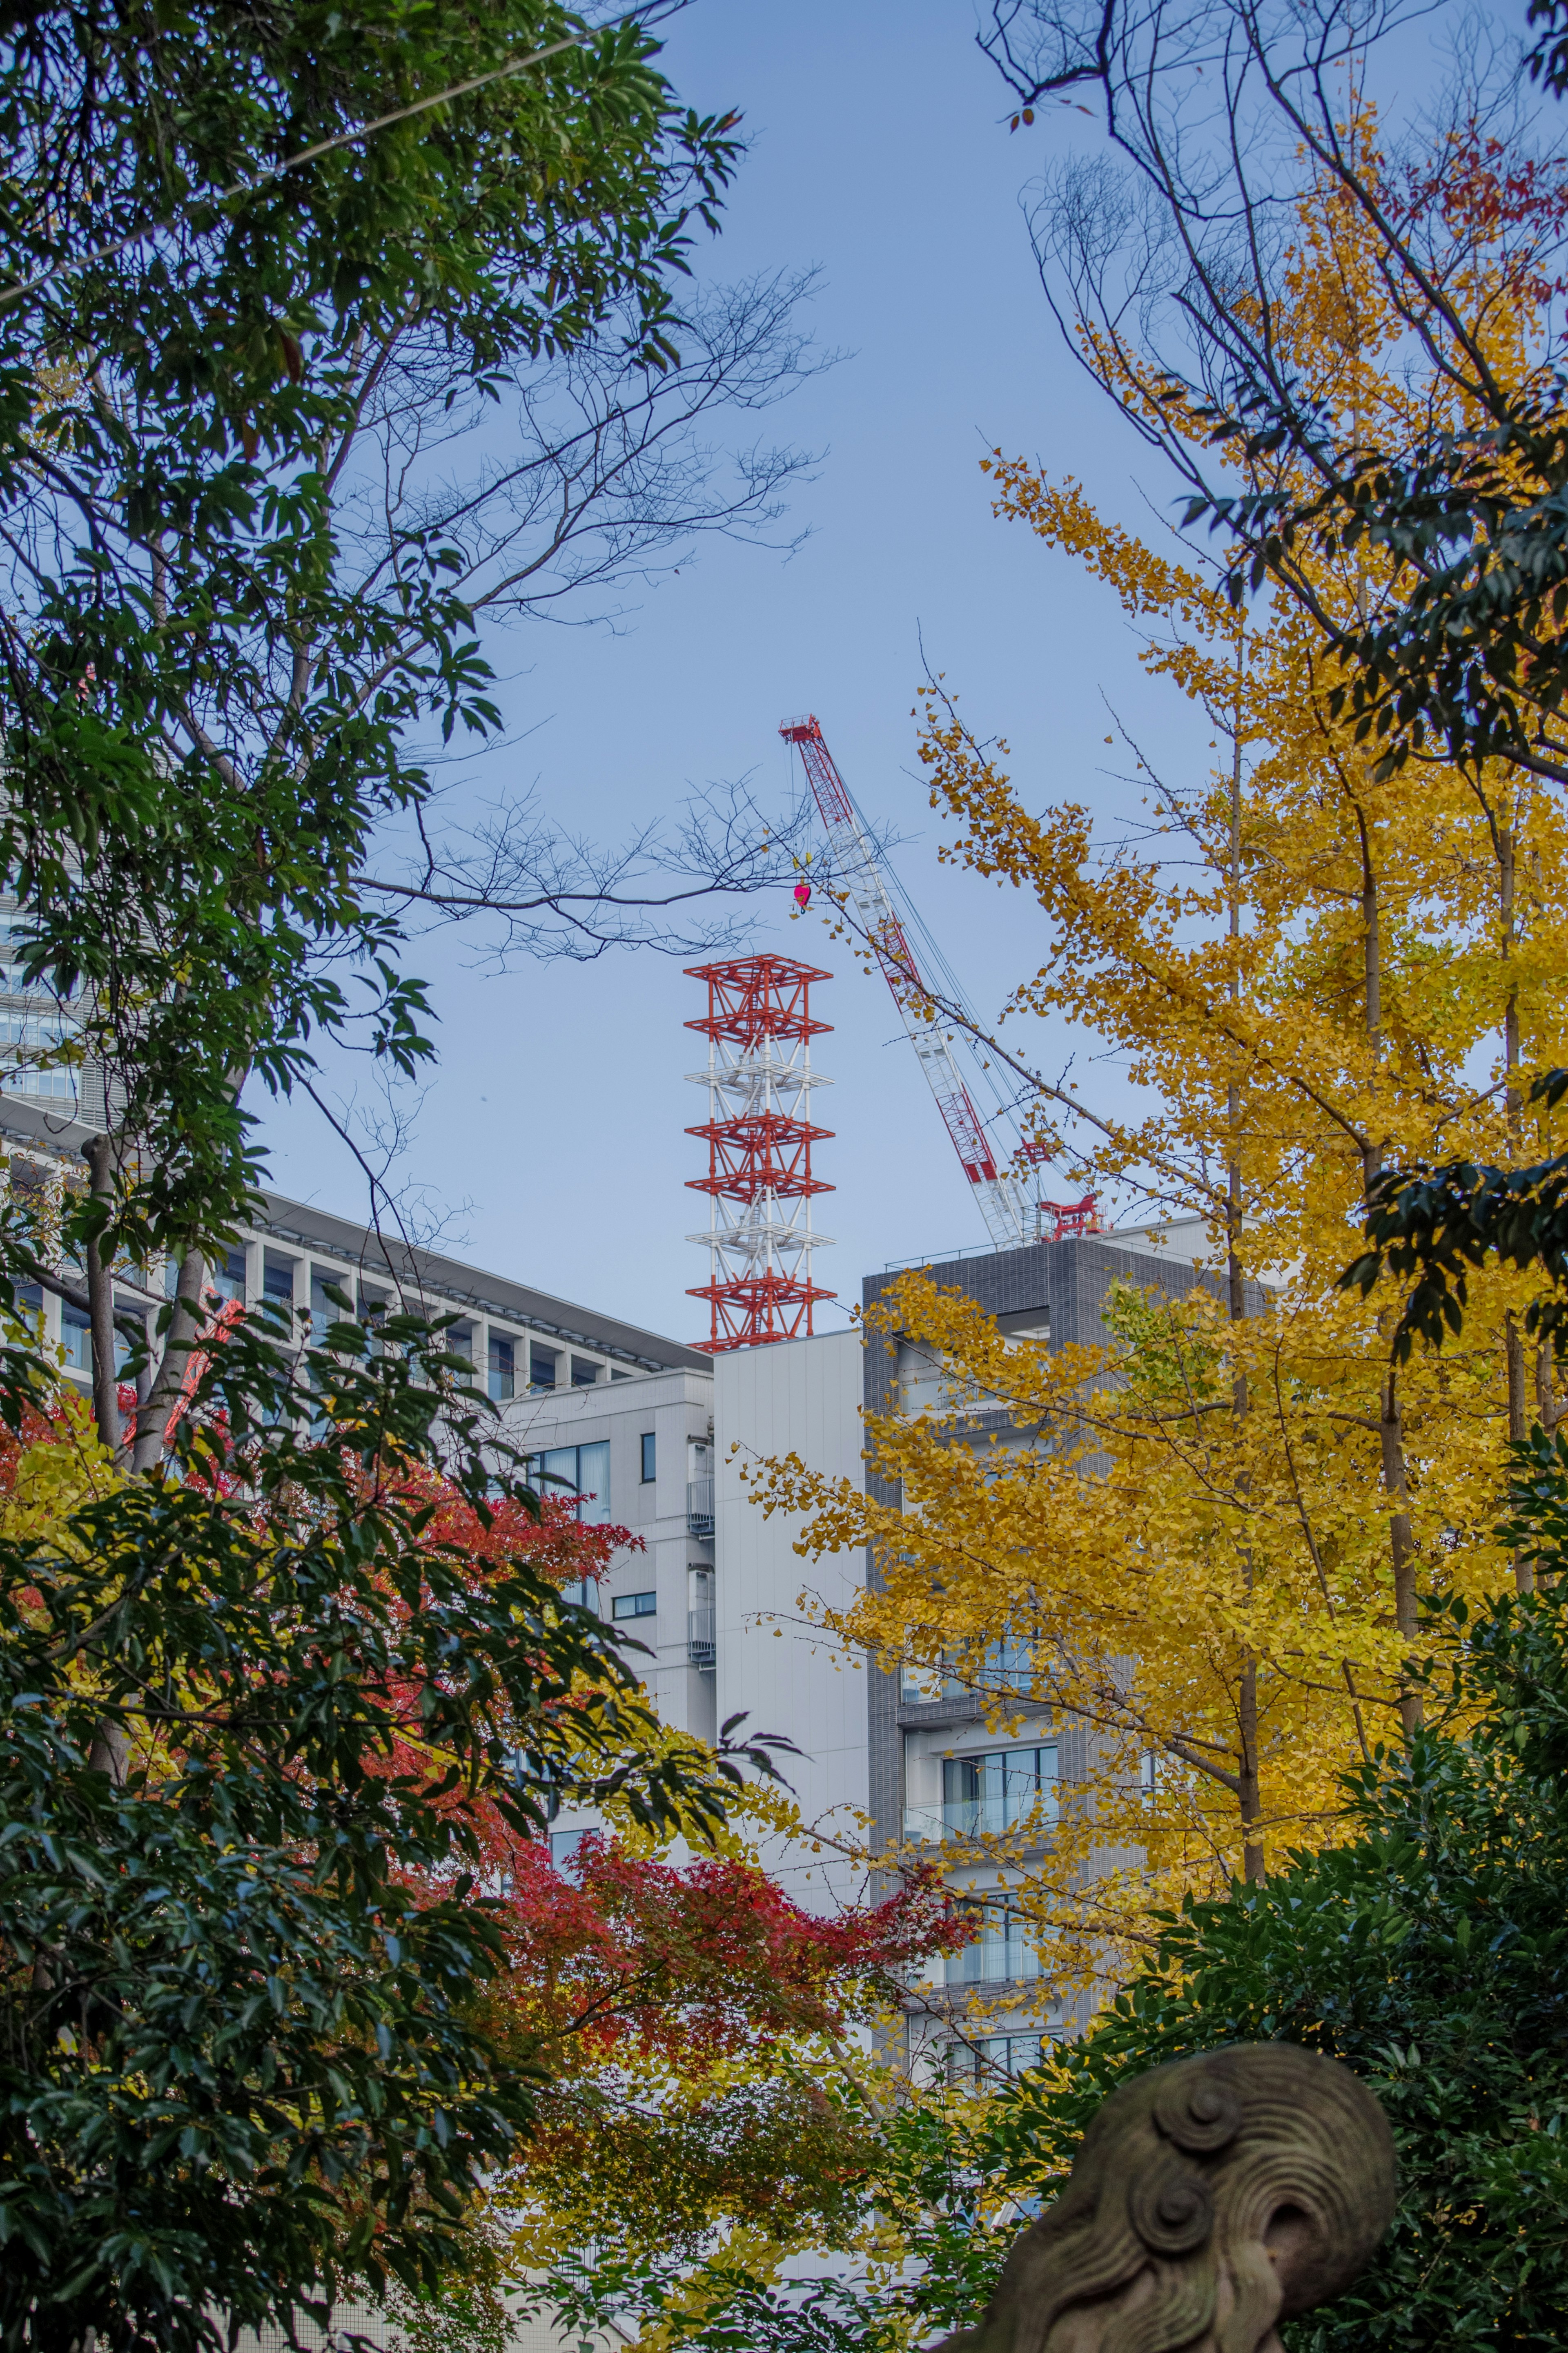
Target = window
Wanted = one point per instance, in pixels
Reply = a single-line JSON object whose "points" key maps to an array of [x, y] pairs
{"points": [[324, 1312], [927, 1383], [278, 1281], [583, 1592], [1008, 1665], [30, 1308], [981, 1796], [585, 1470], [460, 1341], [989, 2058], [649, 1457], [635, 1605], [502, 1367], [228, 1279], [542, 1364], [1002, 1952], [76, 1339], [585, 1372], [563, 1845]]}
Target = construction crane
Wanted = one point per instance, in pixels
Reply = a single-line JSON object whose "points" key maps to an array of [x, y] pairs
{"points": [[1012, 1219]]}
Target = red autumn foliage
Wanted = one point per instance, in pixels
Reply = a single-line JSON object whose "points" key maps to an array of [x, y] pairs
{"points": [[617, 1953], [1483, 197], [696, 1963], [557, 1544]]}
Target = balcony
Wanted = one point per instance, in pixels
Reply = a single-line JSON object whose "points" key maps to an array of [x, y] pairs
{"points": [[976, 1817], [699, 1509], [700, 1645]]}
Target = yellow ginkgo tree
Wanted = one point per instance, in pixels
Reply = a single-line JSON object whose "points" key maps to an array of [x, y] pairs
{"points": [[1211, 1540]]}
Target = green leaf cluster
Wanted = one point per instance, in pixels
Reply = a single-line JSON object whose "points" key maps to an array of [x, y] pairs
{"points": [[239, 2060]]}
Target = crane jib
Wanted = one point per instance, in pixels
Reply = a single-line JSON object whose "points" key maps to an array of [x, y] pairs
{"points": [[860, 880]]}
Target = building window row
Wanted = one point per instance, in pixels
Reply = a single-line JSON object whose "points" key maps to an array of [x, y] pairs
{"points": [[513, 1364]]}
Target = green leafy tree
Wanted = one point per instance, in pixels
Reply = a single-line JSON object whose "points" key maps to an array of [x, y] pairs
{"points": [[253, 1718], [254, 1700], [257, 279]]}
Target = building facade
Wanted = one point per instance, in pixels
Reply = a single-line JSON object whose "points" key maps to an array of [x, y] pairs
{"points": [[662, 1440]]}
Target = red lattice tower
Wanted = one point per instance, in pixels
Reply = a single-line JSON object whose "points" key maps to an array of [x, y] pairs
{"points": [[759, 1027]]}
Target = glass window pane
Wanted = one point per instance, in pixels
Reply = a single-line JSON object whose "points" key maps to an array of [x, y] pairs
{"points": [[650, 1456], [226, 1276], [594, 1479], [559, 1462], [323, 1311], [278, 1280], [76, 1339]]}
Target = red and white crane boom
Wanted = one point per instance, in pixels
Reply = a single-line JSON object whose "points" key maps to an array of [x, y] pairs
{"points": [[1011, 1218]]}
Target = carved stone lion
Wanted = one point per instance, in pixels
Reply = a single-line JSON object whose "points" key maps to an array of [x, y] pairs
{"points": [[1212, 2199]]}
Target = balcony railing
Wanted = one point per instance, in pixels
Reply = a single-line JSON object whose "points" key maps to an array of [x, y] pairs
{"points": [[969, 1817], [699, 1509], [700, 1647]]}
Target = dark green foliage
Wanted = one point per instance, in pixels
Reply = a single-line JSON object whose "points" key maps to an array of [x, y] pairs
{"points": [[1436, 1224], [1432, 1957], [204, 719], [1471, 655], [236, 2050], [1429, 1953]]}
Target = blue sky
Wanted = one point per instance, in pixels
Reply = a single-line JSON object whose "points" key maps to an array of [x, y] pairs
{"points": [[554, 1128]]}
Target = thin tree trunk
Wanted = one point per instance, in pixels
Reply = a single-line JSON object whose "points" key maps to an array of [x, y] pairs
{"points": [[99, 1156], [1391, 1425], [184, 1324], [1513, 1114], [1250, 1799], [1249, 1794]]}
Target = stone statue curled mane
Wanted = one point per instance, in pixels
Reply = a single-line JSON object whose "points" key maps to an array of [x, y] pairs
{"points": [[1212, 2199]]}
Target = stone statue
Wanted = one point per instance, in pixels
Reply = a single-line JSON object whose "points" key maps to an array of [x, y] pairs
{"points": [[1211, 2199]]}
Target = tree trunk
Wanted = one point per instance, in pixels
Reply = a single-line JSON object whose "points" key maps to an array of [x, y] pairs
{"points": [[1252, 1865], [1391, 1427], [185, 1322], [1513, 1112], [1249, 1797], [100, 1157]]}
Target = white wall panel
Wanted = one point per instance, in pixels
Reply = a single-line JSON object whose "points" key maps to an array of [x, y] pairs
{"points": [[800, 1397]]}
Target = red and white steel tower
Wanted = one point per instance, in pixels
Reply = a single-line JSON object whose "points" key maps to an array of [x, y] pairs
{"points": [[759, 1027]]}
